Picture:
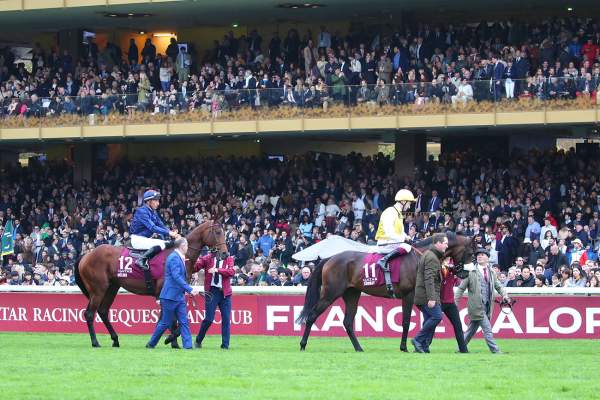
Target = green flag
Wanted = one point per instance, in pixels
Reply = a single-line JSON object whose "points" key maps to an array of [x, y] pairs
{"points": [[8, 244]]}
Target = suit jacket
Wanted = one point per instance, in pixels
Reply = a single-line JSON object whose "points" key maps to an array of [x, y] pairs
{"points": [[175, 284], [226, 271], [507, 250], [498, 71], [473, 283], [434, 204], [521, 68]]}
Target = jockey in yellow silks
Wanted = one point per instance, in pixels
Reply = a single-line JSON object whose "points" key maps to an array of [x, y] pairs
{"points": [[390, 232]]}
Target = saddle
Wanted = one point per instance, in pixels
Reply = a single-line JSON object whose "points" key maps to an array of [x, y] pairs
{"points": [[373, 275], [127, 268]]}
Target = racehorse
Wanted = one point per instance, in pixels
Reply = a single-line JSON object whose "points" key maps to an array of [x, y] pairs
{"points": [[96, 275], [340, 276]]}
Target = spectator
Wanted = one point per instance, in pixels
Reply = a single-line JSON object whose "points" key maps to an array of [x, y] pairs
{"points": [[577, 279], [526, 279], [303, 277]]}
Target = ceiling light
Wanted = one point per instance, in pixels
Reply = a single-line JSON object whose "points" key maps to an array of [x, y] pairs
{"points": [[142, 33], [234, 25], [163, 34], [126, 15], [297, 6], [569, 8]]}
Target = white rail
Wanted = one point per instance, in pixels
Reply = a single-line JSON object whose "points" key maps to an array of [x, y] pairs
{"points": [[300, 290]]}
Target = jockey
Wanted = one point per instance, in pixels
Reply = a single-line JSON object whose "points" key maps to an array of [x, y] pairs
{"points": [[146, 223], [390, 232]]}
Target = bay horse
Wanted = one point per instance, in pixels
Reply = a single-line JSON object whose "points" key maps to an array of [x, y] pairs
{"points": [[340, 276], [96, 275]]}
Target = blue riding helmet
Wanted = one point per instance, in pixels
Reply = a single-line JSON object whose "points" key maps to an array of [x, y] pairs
{"points": [[151, 195]]}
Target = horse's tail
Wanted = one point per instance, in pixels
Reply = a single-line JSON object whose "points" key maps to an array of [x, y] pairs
{"points": [[78, 279], [313, 292]]}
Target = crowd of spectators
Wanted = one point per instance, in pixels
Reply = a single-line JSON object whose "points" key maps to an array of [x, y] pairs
{"points": [[455, 63], [537, 213]]}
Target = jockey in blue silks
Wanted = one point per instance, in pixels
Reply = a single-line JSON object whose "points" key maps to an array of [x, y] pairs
{"points": [[146, 223]]}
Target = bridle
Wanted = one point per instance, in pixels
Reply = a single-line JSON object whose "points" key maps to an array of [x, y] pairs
{"points": [[465, 259], [212, 231]]}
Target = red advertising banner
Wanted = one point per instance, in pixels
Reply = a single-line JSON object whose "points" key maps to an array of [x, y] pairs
{"points": [[532, 317]]}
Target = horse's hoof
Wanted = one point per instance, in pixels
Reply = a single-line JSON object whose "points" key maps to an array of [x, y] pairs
{"points": [[302, 348], [175, 345], [359, 350], [116, 344], [403, 349], [169, 339], [96, 345]]}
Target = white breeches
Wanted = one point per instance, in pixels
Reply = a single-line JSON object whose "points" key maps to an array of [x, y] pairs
{"points": [[385, 248], [144, 243]]}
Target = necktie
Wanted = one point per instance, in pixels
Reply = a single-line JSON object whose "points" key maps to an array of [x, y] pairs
{"points": [[485, 275], [216, 278]]}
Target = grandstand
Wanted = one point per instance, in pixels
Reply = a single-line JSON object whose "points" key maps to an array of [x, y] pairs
{"points": [[292, 122], [105, 98]]}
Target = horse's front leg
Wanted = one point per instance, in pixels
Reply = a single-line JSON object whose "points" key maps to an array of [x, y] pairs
{"points": [[407, 305]]}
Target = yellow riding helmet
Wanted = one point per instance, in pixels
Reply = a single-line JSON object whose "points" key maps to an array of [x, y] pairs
{"points": [[404, 195]]}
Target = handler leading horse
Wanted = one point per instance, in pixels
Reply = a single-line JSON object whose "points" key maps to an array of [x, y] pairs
{"points": [[96, 275], [340, 276]]}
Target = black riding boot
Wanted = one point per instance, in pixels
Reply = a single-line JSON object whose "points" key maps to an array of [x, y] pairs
{"points": [[384, 264], [142, 262]]}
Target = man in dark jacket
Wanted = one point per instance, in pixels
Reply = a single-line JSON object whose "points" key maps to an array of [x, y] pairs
{"points": [[526, 279], [556, 259], [427, 291]]}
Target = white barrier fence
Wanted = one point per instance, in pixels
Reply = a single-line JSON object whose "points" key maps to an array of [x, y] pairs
{"points": [[301, 290]]}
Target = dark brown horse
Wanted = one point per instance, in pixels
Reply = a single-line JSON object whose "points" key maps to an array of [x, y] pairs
{"points": [[96, 275], [340, 276]]}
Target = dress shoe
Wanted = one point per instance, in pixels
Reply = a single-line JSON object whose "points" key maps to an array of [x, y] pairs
{"points": [[417, 345]]}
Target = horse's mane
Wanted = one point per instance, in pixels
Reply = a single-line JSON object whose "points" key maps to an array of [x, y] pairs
{"points": [[452, 237]]}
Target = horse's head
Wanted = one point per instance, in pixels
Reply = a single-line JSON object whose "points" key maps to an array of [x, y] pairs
{"points": [[460, 249], [210, 234]]}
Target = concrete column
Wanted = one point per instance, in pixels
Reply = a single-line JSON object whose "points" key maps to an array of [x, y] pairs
{"points": [[83, 158], [411, 150], [8, 157]]}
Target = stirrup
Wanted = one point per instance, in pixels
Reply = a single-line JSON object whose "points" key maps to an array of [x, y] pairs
{"points": [[390, 290]]}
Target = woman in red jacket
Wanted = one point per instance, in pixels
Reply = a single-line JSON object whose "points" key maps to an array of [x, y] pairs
{"points": [[217, 283], [449, 308]]}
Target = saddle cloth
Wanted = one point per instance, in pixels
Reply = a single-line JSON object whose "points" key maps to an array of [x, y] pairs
{"points": [[127, 267], [373, 275]]}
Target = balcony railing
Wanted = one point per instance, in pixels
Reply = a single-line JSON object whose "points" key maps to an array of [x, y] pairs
{"points": [[502, 101]]}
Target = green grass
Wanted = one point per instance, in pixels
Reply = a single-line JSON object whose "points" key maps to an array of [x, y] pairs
{"points": [[54, 366]]}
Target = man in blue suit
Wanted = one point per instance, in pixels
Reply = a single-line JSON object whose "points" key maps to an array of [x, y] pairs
{"points": [[172, 300]]}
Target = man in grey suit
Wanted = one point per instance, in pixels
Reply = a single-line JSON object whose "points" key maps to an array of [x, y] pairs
{"points": [[481, 283]]}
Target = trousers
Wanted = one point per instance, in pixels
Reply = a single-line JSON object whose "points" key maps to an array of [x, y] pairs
{"points": [[171, 310], [217, 299], [486, 327]]}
